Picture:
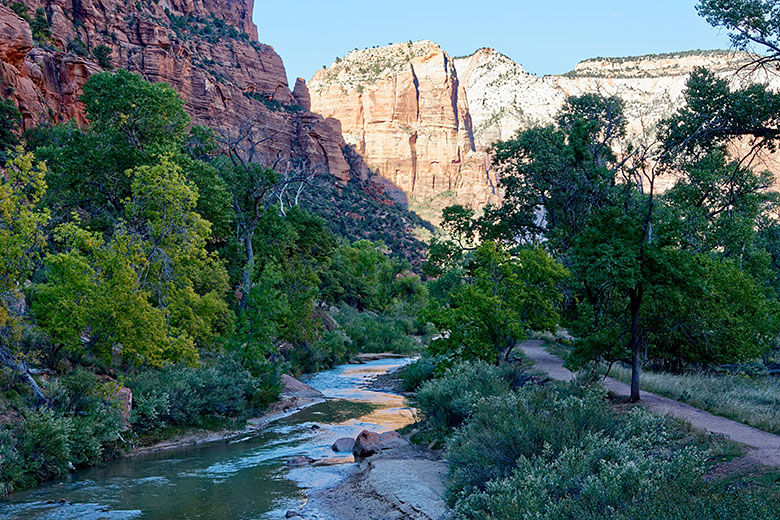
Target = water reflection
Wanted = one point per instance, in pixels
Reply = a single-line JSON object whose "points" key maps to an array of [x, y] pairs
{"points": [[238, 480]]}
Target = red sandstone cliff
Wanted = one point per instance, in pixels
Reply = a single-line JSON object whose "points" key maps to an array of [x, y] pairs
{"points": [[405, 111], [206, 49]]}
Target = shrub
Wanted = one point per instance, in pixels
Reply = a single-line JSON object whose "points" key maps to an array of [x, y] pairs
{"points": [[506, 428], [183, 395], [102, 54], [448, 400], [599, 477], [21, 10], [373, 332], [77, 46], [40, 26], [418, 372], [93, 411], [11, 464], [44, 445], [332, 348]]}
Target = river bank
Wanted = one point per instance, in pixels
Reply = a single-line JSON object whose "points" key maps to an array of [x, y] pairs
{"points": [[295, 397], [249, 476], [401, 481]]}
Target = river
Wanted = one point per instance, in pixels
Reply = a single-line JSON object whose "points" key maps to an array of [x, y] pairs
{"points": [[241, 479]]}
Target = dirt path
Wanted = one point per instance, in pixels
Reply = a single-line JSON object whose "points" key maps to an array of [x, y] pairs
{"points": [[765, 447]]}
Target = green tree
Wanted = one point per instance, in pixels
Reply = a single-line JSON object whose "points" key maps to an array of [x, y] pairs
{"points": [[22, 237], [499, 299], [149, 290]]}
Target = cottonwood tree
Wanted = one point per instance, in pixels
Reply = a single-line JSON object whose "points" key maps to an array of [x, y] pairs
{"points": [[22, 237], [635, 255]]}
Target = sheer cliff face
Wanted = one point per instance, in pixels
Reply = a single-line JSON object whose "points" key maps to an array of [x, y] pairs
{"points": [[206, 49], [391, 99], [405, 111]]}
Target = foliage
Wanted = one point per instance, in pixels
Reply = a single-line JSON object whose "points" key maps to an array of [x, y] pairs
{"points": [[418, 372], [44, 445], [77, 47], [102, 54], [373, 332], [361, 275], [330, 349], [40, 26], [500, 298], [504, 429], [752, 24], [449, 399], [183, 395], [10, 119], [599, 477]]}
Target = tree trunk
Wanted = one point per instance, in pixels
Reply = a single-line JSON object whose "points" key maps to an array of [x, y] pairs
{"points": [[635, 301], [246, 277], [7, 359]]}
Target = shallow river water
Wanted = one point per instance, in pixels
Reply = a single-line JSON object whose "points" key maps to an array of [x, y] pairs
{"points": [[243, 479]]}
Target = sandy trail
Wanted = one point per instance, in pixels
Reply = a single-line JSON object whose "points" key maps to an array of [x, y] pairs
{"points": [[764, 446]]}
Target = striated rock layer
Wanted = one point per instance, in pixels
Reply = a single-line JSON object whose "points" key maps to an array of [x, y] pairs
{"points": [[406, 113], [206, 49], [424, 121]]}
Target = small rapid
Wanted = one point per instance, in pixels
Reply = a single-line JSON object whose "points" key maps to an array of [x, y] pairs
{"points": [[247, 478]]}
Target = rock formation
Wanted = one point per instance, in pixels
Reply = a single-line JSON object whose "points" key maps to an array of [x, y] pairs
{"points": [[405, 111], [425, 121], [206, 49]]}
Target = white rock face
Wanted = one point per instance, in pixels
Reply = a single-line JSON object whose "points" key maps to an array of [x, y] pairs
{"points": [[504, 98]]}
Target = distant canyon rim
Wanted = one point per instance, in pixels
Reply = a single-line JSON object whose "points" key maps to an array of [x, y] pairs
{"points": [[424, 120]]}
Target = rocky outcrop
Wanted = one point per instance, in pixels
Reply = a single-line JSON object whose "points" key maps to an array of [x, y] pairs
{"points": [[405, 111], [206, 49]]}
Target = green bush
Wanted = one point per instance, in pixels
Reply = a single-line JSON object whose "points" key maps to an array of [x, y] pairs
{"points": [[11, 463], [447, 401], [373, 332], [505, 428], [332, 348], [77, 46], [183, 395], [418, 372], [598, 477], [102, 54], [44, 445], [94, 414]]}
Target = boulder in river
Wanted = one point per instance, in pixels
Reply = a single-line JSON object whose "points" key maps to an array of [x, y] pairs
{"points": [[343, 444], [366, 444], [299, 461], [294, 388]]}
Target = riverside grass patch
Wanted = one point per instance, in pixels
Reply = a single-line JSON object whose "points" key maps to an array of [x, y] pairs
{"points": [[754, 401], [560, 452]]}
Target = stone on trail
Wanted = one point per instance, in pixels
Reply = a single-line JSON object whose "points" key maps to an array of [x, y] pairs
{"points": [[392, 439]]}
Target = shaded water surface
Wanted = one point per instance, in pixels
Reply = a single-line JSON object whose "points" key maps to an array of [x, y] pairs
{"points": [[244, 479]]}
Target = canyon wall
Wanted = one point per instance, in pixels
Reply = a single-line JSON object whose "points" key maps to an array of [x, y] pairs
{"points": [[383, 98], [206, 49], [406, 113]]}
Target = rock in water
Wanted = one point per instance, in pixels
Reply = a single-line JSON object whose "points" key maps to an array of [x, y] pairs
{"points": [[299, 461], [343, 444], [366, 444], [294, 388]]}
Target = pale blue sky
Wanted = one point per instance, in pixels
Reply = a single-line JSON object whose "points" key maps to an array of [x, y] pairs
{"points": [[545, 36]]}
